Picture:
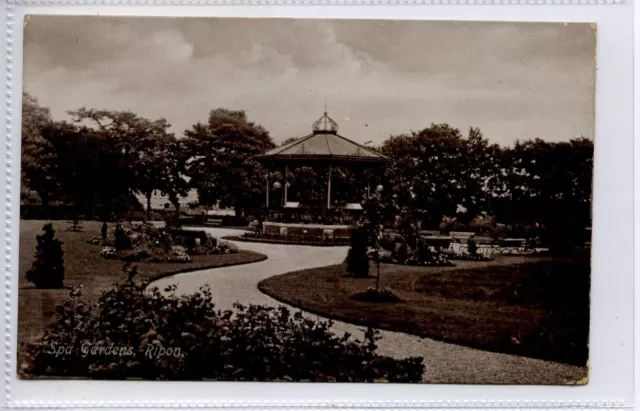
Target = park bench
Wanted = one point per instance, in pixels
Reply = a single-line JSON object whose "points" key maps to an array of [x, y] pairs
{"points": [[461, 236], [512, 245], [439, 243]]}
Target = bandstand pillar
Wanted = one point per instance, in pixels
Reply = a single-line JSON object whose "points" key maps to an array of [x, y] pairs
{"points": [[329, 189], [286, 183], [267, 191]]}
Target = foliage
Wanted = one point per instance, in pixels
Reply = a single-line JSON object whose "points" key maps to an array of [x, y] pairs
{"points": [[421, 254], [449, 224], [375, 295], [548, 184], [357, 257], [145, 242], [95, 241], [222, 163], [437, 172], [172, 221], [109, 253], [39, 161], [47, 270], [122, 238], [136, 332]]}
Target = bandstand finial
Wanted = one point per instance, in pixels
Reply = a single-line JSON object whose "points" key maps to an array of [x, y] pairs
{"points": [[325, 124]]}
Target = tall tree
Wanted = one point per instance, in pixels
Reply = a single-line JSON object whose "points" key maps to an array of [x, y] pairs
{"points": [[549, 184], [438, 172], [38, 157], [141, 152], [222, 166]]}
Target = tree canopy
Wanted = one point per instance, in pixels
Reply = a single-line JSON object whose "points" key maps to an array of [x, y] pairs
{"points": [[222, 165], [102, 157]]}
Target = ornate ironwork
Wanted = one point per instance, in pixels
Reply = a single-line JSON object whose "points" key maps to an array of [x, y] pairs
{"points": [[325, 124]]}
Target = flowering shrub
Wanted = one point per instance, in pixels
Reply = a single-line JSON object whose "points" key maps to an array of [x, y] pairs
{"points": [[225, 247], [423, 254], [135, 332], [374, 295], [109, 253], [178, 256], [95, 241]]}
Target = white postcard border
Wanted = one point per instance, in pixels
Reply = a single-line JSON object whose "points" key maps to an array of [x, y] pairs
{"points": [[611, 356]]}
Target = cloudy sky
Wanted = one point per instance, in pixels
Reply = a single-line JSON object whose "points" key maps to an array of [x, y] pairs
{"points": [[513, 80]]}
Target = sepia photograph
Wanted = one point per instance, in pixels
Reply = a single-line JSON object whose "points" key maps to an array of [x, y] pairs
{"points": [[306, 200]]}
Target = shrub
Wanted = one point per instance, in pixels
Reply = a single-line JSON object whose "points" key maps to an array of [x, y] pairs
{"points": [[47, 271], [122, 238], [178, 256], [109, 253], [95, 241], [131, 325], [172, 221], [156, 244], [424, 254], [357, 258], [374, 295], [225, 247]]}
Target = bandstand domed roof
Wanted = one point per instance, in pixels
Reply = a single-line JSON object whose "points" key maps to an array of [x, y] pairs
{"points": [[323, 144]]}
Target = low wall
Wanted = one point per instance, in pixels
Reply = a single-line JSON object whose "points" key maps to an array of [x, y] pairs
{"points": [[315, 232]]}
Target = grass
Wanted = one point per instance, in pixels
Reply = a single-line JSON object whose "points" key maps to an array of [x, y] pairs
{"points": [[536, 307], [84, 266]]}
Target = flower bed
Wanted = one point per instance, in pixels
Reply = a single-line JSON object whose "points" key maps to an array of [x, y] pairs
{"points": [[422, 255], [146, 242]]}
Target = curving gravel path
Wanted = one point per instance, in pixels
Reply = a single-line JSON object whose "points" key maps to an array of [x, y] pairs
{"points": [[444, 363]]}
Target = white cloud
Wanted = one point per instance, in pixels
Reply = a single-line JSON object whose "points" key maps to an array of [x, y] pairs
{"points": [[281, 72]]}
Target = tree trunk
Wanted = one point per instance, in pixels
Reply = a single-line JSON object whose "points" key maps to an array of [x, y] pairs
{"points": [[148, 196]]}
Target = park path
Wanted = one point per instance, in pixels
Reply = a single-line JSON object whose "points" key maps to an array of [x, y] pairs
{"points": [[444, 363]]}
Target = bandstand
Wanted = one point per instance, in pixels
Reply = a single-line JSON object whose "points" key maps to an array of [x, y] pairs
{"points": [[326, 151]]}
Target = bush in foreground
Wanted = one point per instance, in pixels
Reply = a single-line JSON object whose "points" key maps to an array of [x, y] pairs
{"points": [[138, 333], [47, 270]]}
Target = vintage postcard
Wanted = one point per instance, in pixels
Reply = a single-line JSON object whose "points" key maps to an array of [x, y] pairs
{"points": [[306, 200]]}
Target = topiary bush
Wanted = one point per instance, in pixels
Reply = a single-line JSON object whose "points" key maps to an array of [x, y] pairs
{"points": [[47, 271], [357, 257], [136, 332]]}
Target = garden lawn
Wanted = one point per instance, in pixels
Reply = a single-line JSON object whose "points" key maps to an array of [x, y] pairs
{"points": [[85, 267], [530, 306]]}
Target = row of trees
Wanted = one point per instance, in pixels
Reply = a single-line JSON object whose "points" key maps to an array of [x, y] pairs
{"points": [[101, 158]]}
